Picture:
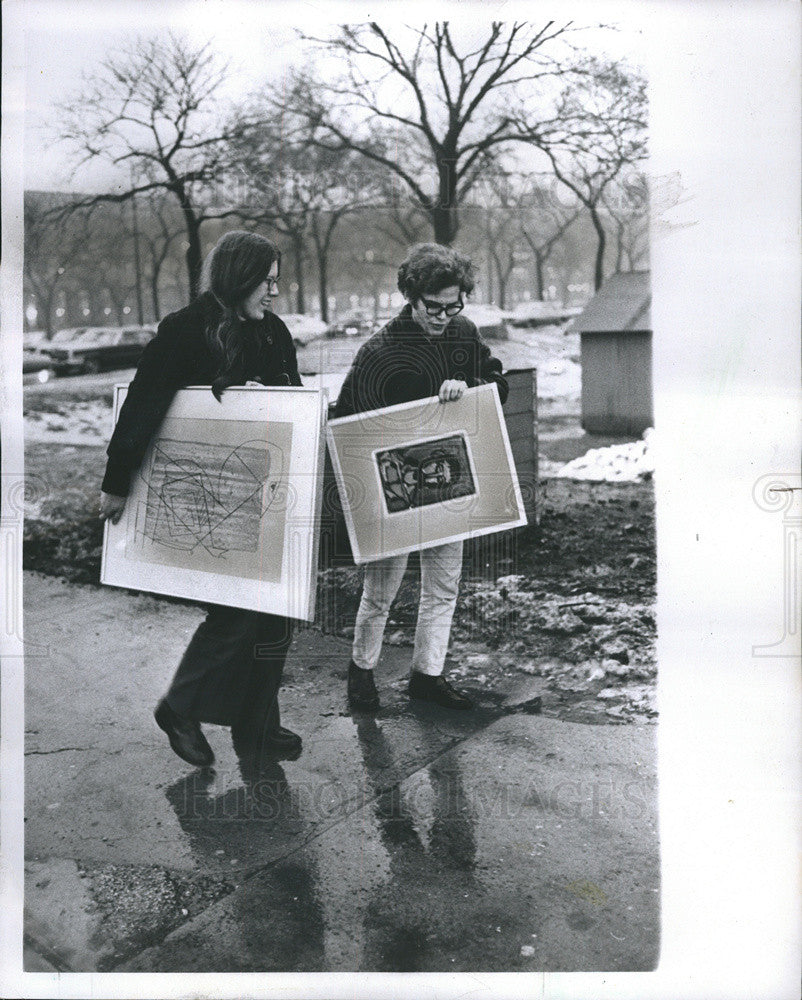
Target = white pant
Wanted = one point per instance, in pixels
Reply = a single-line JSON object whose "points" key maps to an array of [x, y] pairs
{"points": [[440, 570]]}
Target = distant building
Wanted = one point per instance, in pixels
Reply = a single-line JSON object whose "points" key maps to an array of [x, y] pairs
{"points": [[616, 337]]}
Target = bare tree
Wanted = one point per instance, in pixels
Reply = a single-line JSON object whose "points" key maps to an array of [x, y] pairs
{"points": [[159, 233], [62, 251], [432, 104], [112, 286], [544, 221], [496, 219], [598, 131], [300, 189], [627, 206], [48, 254], [151, 108], [399, 219]]}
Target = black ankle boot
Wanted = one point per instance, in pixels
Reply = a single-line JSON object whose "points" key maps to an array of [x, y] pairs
{"points": [[362, 691], [438, 690]]}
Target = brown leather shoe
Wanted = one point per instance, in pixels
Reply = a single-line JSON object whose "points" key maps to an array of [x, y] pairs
{"points": [[185, 736]]}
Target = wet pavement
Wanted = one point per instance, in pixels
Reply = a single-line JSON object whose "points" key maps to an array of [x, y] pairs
{"points": [[414, 840]]}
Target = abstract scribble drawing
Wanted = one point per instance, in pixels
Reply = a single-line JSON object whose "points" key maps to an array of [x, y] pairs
{"points": [[431, 472], [211, 496]]}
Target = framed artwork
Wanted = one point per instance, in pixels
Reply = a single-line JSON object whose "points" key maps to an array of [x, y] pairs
{"points": [[423, 473], [225, 507]]}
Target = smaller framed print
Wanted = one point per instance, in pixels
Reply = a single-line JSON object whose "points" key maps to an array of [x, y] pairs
{"points": [[225, 507], [424, 473], [420, 473]]}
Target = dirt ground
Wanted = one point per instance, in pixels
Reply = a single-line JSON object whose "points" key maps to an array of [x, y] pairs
{"points": [[570, 600]]}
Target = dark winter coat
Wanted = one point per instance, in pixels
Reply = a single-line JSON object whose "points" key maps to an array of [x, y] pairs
{"points": [[178, 356], [401, 363]]}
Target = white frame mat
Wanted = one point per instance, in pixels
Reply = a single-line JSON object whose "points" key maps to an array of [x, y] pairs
{"points": [[225, 508], [493, 504]]}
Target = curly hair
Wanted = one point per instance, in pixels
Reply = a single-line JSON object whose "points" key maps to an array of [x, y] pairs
{"points": [[237, 264], [430, 267]]}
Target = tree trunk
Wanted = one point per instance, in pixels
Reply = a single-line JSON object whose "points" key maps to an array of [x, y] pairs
{"points": [[444, 212], [47, 310], [194, 259], [154, 292], [598, 272], [445, 224], [539, 289], [323, 285], [94, 308], [74, 304], [298, 261], [117, 306], [194, 256], [43, 313], [501, 281], [137, 263]]}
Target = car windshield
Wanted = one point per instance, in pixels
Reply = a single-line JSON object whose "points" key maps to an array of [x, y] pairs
{"points": [[65, 336]]}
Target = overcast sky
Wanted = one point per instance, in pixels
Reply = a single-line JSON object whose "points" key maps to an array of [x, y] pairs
{"points": [[67, 39]]}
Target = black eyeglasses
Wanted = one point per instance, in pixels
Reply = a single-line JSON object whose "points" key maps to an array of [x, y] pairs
{"points": [[437, 308]]}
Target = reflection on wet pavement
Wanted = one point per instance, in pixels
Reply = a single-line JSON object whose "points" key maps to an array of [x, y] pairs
{"points": [[497, 853], [417, 839]]}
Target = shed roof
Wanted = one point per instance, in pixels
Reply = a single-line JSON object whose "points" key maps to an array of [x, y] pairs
{"points": [[622, 303]]}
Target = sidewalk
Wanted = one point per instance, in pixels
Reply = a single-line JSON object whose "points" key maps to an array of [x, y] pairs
{"points": [[414, 840]]}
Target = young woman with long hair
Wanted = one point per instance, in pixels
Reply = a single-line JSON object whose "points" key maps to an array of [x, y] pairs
{"points": [[231, 671]]}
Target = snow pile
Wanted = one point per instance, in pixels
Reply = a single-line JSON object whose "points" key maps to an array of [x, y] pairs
{"points": [[619, 463]]}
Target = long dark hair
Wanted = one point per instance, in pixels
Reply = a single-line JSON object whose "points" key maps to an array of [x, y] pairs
{"points": [[237, 264]]}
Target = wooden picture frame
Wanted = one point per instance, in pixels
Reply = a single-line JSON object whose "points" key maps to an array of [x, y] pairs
{"points": [[423, 473], [225, 508]]}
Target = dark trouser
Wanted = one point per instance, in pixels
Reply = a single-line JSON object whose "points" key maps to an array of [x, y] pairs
{"points": [[231, 671]]}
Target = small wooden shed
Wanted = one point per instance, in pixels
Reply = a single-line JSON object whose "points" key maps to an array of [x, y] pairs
{"points": [[616, 348]]}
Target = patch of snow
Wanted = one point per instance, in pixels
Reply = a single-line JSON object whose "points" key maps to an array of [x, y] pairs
{"points": [[619, 463], [74, 424]]}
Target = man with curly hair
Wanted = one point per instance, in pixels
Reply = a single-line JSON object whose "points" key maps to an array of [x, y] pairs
{"points": [[427, 350]]}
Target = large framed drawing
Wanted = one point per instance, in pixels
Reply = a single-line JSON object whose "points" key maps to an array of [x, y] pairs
{"points": [[225, 507], [423, 473]]}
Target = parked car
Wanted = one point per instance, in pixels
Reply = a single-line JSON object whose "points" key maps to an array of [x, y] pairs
{"points": [[35, 368], [490, 320], [31, 339], [304, 328], [351, 325], [82, 350]]}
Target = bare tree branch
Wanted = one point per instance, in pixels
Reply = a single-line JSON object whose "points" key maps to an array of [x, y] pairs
{"points": [[152, 105], [451, 105]]}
